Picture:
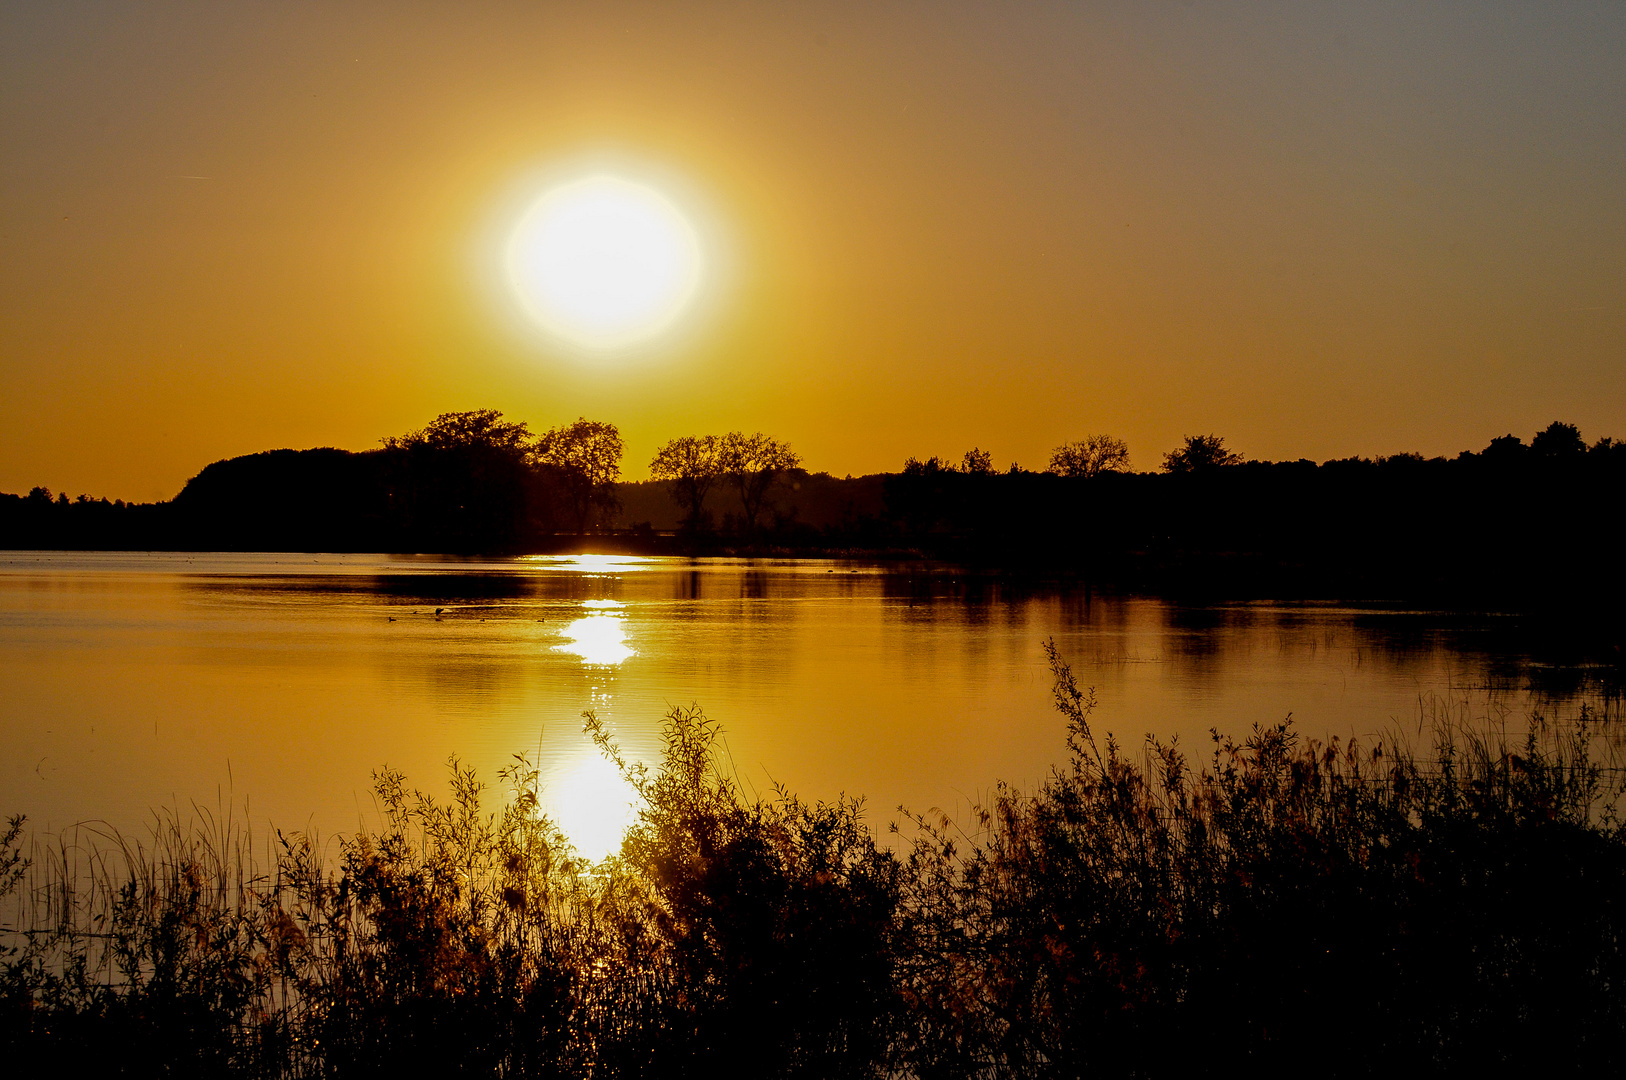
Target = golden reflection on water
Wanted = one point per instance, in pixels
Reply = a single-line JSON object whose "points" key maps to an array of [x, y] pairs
{"points": [[600, 636], [590, 800], [129, 677], [592, 564], [593, 804]]}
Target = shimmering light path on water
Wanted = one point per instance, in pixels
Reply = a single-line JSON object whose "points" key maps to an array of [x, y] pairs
{"points": [[137, 680]]}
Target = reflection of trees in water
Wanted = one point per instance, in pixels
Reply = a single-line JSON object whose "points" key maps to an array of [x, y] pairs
{"points": [[753, 585], [1201, 643], [1498, 655], [751, 624], [689, 585], [470, 585], [1547, 660], [1551, 660]]}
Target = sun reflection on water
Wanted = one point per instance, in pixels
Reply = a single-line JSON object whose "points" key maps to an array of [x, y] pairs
{"points": [[588, 798], [593, 805], [599, 637], [593, 564]]}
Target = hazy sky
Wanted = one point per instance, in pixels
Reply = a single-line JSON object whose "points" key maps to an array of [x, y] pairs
{"points": [[1315, 229]]}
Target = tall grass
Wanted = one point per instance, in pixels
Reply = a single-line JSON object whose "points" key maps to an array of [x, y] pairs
{"points": [[1290, 904], [1285, 904]]}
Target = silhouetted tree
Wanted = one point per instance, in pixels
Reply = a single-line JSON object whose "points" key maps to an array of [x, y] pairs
{"points": [[977, 463], [754, 463], [919, 495], [478, 428], [1607, 447], [1559, 440], [1505, 448], [586, 456], [692, 464], [1200, 453], [464, 482], [1090, 456]]}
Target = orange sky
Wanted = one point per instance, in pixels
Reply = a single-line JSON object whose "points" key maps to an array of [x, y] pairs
{"points": [[1318, 230]]}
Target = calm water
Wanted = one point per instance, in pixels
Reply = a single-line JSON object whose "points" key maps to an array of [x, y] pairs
{"points": [[138, 680]]}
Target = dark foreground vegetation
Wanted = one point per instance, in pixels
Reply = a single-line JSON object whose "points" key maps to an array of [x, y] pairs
{"points": [[1284, 907], [1512, 526]]}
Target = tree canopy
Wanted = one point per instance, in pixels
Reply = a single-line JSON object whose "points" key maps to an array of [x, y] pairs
{"points": [[586, 455], [477, 428], [754, 462], [692, 464], [977, 462], [1199, 454], [1090, 456], [1558, 440]]}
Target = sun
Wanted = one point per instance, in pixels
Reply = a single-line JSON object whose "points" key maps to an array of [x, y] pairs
{"points": [[604, 263]]}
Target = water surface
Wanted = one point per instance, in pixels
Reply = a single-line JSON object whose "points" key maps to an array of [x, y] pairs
{"points": [[139, 680]]}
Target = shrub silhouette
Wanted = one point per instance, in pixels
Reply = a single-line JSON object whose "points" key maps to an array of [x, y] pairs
{"points": [[772, 919], [1457, 912], [1287, 902]]}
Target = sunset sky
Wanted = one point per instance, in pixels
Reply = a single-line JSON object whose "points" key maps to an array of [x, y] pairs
{"points": [[1315, 229]]}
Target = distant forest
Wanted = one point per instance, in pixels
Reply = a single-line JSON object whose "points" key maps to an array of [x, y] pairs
{"points": [[1516, 523]]}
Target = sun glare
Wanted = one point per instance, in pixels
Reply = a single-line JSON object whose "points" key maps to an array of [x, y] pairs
{"points": [[604, 263], [593, 805], [599, 637]]}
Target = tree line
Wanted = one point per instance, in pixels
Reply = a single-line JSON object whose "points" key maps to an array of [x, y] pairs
{"points": [[693, 464], [1515, 522], [466, 482]]}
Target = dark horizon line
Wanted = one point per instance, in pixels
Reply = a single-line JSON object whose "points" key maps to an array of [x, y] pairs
{"points": [[1513, 443]]}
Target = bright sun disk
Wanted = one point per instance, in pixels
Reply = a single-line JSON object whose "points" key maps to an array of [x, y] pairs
{"points": [[604, 263]]}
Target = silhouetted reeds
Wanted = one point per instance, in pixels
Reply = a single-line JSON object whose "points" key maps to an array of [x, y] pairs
{"points": [[1285, 905], [1291, 905]]}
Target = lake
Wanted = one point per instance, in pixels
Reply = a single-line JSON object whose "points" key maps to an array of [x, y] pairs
{"points": [[280, 682]]}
